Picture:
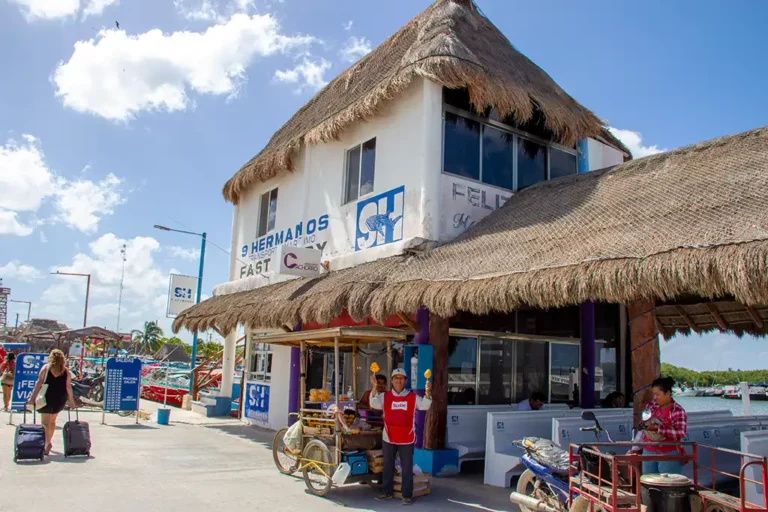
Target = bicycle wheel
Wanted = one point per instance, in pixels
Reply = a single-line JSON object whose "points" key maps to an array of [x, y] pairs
{"points": [[318, 482], [286, 462]]}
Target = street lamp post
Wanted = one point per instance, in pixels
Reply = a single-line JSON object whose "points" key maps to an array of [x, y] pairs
{"points": [[29, 306], [85, 314], [197, 297]]}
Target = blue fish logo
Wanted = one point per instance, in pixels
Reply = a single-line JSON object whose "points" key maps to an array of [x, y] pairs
{"points": [[381, 222]]}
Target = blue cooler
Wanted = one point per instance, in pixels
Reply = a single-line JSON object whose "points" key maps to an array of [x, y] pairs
{"points": [[358, 463]]}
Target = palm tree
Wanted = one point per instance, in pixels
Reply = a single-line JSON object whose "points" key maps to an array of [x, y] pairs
{"points": [[149, 338]]}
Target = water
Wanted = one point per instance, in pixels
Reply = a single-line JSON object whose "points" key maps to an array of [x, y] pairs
{"points": [[691, 403]]}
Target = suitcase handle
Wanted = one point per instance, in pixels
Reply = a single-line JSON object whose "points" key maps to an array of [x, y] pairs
{"points": [[69, 415], [34, 414]]}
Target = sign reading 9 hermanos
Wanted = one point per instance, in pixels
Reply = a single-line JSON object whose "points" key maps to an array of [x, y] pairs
{"points": [[379, 220]]}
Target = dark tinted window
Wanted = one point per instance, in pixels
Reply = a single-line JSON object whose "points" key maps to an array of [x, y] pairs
{"points": [[498, 158], [561, 164], [531, 163], [461, 154]]}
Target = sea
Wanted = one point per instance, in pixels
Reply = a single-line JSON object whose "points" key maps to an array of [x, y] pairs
{"points": [[691, 403]]}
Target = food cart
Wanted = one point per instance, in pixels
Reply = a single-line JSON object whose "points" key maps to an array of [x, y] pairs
{"points": [[327, 441]]}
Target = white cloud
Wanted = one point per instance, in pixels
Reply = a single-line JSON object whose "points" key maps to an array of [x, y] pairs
{"points": [[184, 253], [96, 7], [53, 9], [197, 10], [43, 238], [144, 281], [25, 179], [10, 225], [355, 49], [308, 75], [348, 25], [26, 182], [634, 142], [81, 203], [17, 270], [116, 75]]}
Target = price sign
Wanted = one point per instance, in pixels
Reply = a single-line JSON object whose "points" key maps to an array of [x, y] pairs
{"points": [[122, 384]]}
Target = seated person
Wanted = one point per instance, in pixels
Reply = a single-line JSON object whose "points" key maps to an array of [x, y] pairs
{"points": [[615, 399], [381, 387], [534, 403]]}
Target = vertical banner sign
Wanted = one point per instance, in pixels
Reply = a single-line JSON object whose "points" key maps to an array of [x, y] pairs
{"points": [[27, 370], [121, 388], [257, 405], [181, 294]]}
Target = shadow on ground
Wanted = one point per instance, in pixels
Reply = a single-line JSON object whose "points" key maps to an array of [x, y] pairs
{"points": [[464, 492]]}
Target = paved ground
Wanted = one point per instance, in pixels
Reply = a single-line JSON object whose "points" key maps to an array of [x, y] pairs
{"points": [[192, 465]]}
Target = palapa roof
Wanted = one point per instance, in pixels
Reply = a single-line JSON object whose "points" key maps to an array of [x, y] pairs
{"points": [[451, 43], [693, 221]]}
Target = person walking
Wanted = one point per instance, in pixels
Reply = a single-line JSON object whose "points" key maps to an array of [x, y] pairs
{"points": [[668, 424], [399, 409], [56, 376], [7, 373]]}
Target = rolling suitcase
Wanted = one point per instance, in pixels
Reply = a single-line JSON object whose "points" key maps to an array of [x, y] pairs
{"points": [[29, 441], [77, 436]]}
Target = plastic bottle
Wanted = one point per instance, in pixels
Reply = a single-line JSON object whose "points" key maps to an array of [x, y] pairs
{"points": [[414, 371], [349, 393]]}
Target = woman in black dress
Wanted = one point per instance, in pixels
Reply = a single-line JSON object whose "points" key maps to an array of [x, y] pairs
{"points": [[56, 375]]}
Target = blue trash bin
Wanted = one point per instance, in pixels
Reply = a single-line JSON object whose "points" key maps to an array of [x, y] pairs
{"points": [[163, 416]]}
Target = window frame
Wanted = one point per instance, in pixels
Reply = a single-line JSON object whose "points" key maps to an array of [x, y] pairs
{"points": [[344, 199], [267, 193], [517, 134], [261, 354]]}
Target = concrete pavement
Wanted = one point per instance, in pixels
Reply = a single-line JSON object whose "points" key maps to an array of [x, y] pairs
{"points": [[195, 464]]}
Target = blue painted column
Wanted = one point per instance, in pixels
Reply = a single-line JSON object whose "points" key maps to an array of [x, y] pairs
{"points": [[583, 159], [421, 338], [294, 380], [588, 355]]}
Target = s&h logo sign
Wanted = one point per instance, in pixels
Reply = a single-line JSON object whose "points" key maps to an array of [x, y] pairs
{"points": [[380, 219]]}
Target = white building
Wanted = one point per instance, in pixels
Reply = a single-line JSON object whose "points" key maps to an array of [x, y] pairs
{"points": [[391, 157]]}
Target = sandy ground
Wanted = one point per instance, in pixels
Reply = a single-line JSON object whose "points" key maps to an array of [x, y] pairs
{"points": [[194, 464]]}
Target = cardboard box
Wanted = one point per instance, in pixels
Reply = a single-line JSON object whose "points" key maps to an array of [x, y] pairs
{"points": [[418, 480], [417, 493]]}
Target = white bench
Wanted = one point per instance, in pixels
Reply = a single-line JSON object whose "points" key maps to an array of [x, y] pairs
{"points": [[568, 430], [465, 430], [502, 457]]}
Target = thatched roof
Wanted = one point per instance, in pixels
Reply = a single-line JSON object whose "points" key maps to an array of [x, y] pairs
{"points": [[693, 221], [701, 317], [172, 353], [450, 43]]}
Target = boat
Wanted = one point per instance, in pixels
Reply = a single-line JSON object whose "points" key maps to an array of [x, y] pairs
{"points": [[756, 393]]}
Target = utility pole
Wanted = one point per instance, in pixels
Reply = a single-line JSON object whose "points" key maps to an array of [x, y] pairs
{"points": [[120, 297]]}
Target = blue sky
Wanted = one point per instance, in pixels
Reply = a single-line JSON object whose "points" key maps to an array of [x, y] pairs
{"points": [[105, 132]]}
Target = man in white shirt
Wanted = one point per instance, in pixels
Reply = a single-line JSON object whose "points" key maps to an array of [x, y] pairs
{"points": [[399, 406], [534, 403]]}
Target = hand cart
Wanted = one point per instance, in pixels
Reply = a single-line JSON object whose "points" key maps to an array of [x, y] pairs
{"points": [[327, 441]]}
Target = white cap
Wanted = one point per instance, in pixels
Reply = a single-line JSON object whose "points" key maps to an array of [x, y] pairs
{"points": [[398, 371]]}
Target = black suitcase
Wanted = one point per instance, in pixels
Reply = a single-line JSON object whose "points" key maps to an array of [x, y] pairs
{"points": [[77, 436], [29, 441]]}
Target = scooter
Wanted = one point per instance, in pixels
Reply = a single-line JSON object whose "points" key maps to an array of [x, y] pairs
{"points": [[543, 486], [89, 390]]}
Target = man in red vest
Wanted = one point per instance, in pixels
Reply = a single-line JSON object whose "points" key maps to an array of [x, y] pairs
{"points": [[399, 406]]}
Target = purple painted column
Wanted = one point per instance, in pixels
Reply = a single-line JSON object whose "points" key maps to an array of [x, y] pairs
{"points": [[294, 380], [588, 355], [421, 338]]}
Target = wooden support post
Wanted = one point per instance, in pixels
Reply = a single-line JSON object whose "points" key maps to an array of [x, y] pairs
{"points": [[389, 360], [303, 377], [687, 318], [407, 320], [354, 371], [752, 312], [719, 320], [644, 343], [437, 417]]}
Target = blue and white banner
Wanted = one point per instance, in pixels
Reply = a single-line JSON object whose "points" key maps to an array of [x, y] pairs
{"points": [[380, 219], [27, 370], [257, 402], [123, 384], [182, 293]]}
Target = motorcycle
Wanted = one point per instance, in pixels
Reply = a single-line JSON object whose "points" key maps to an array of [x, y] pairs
{"points": [[543, 486], [89, 390]]}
